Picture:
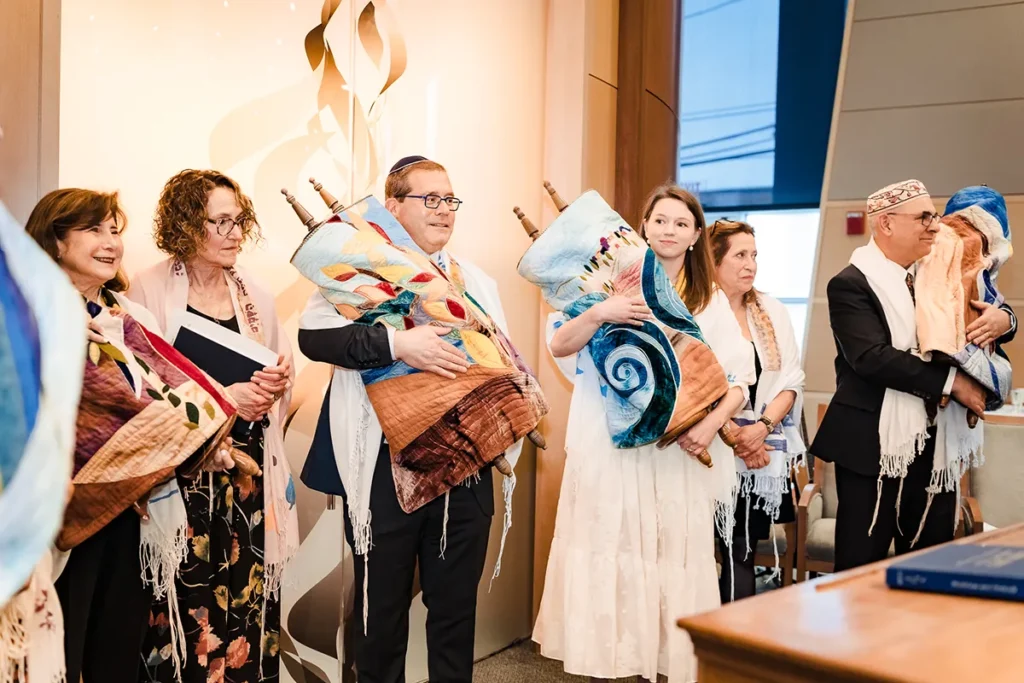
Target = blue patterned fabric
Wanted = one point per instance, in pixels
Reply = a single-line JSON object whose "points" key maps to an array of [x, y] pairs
{"points": [[588, 254], [19, 372]]}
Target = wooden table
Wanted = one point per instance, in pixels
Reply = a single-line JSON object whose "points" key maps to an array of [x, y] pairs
{"points": [[851, 627]]}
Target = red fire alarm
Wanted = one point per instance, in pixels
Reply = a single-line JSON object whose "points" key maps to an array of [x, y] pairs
{"points": [[854, 222]]}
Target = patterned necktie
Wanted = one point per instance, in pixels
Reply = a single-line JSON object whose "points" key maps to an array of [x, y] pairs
{"points": [[910, 286]]}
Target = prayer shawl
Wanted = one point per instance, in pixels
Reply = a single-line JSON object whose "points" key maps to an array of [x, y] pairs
{"points": [[657, 380], [440, 431], [145, 410], [163, 289], [775, 342], [42, 351], [903, 423]]}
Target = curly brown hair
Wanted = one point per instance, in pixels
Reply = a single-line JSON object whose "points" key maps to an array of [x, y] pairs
{"points": [[179, 226], [61, 211]]}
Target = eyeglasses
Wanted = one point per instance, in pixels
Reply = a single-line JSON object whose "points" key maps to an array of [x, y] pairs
{"points": [[432, 201], [226, 225], [926, 218]]}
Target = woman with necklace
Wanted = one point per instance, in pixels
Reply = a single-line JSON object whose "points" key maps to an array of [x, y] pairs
{"points": [[633, 548], [242, 528]]}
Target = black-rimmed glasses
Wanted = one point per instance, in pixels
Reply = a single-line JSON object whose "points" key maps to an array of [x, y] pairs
{"points": [[433, 201], [926, 218]]}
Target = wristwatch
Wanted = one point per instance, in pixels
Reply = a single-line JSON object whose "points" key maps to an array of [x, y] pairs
{"points": [[767, 422]]}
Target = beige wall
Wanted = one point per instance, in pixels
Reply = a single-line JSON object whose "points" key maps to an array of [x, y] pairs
{"points": [[472, 96], [579, 154], [29, 80], [929, 89]]}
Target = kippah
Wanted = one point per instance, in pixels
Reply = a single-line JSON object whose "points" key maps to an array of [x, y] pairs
{"points": [[406, 162]]}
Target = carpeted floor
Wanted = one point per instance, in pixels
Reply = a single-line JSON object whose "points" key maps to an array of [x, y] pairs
{"points": [[520, 663]]}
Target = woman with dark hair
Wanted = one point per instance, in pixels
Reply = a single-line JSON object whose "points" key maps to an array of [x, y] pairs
{"points": [[242, 529], [768, 430], [633, 548], [133, 429]]}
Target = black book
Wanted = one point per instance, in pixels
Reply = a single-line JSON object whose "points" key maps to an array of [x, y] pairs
{"points": [[223, 354]]}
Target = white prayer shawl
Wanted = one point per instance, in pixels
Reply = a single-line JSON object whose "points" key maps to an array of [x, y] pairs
{"points": [[903, 424], [776, 347], [356, 432], [722, 333], [32, 502], [163, 288]]}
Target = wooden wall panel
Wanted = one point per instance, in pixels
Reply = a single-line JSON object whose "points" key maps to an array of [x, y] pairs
{"points": [[646, 124], [29, 98]]}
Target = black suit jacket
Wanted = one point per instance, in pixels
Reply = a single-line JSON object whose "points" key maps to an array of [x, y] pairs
{"points": [[866, 365], [359, 347]]}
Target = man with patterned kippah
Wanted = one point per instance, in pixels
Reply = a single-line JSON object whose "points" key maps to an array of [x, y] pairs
{"points": [[880, 426]]}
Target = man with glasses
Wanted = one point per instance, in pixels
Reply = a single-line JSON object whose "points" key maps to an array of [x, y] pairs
{"points": [[447, 538], [880, 427]]}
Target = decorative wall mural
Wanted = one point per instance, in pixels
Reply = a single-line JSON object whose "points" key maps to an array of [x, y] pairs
{"points": [[322, 115]]}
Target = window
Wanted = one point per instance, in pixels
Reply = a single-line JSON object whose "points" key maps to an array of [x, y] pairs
{"points": [[786, 244], [757, 86]]}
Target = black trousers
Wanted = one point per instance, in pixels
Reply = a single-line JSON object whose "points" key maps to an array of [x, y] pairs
{"points": [[857, 494], [105, 605], [449, 584]]}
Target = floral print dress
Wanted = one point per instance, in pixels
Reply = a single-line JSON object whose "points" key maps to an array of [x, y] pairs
{"points": [[229, 622]]}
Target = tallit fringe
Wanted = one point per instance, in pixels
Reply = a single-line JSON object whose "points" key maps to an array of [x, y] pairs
{"points": [[15, 648], [14, 638], [362, 537], [946, 480], [161, 557], [508, 487], [444, 524], [895, 464], [725, 521]]}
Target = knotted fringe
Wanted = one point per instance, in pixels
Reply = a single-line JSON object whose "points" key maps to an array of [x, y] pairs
{"points": [[948, 479], [161, 553], [14, 638], [895, 466], [444, 524], [725, 521], [508, 487], [17, 649], [362, 537]]}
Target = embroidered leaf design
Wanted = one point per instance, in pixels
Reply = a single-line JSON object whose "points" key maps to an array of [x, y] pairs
{"points": [[209, 409], [142, 364], [113, 352], [165, 389], [154, 394], [175, 401], [192, 412], [94, 353], [191, 425], [482, 350]]}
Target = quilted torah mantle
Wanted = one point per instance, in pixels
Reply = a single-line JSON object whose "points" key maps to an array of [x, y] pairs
{"points": [[145, 410], [657, 380], [973, 242], [440, 431]]}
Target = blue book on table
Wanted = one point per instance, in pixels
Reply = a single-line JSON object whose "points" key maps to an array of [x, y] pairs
{"points": [[987, 571]]}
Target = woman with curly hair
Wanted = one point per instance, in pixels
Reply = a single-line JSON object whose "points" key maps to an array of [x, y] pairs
{"points": [[242, 529]]}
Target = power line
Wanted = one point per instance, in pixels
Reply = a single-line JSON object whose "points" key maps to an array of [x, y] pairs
{"points": [[746, 155], [709, 155], [702, 143], [709, 10]]}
